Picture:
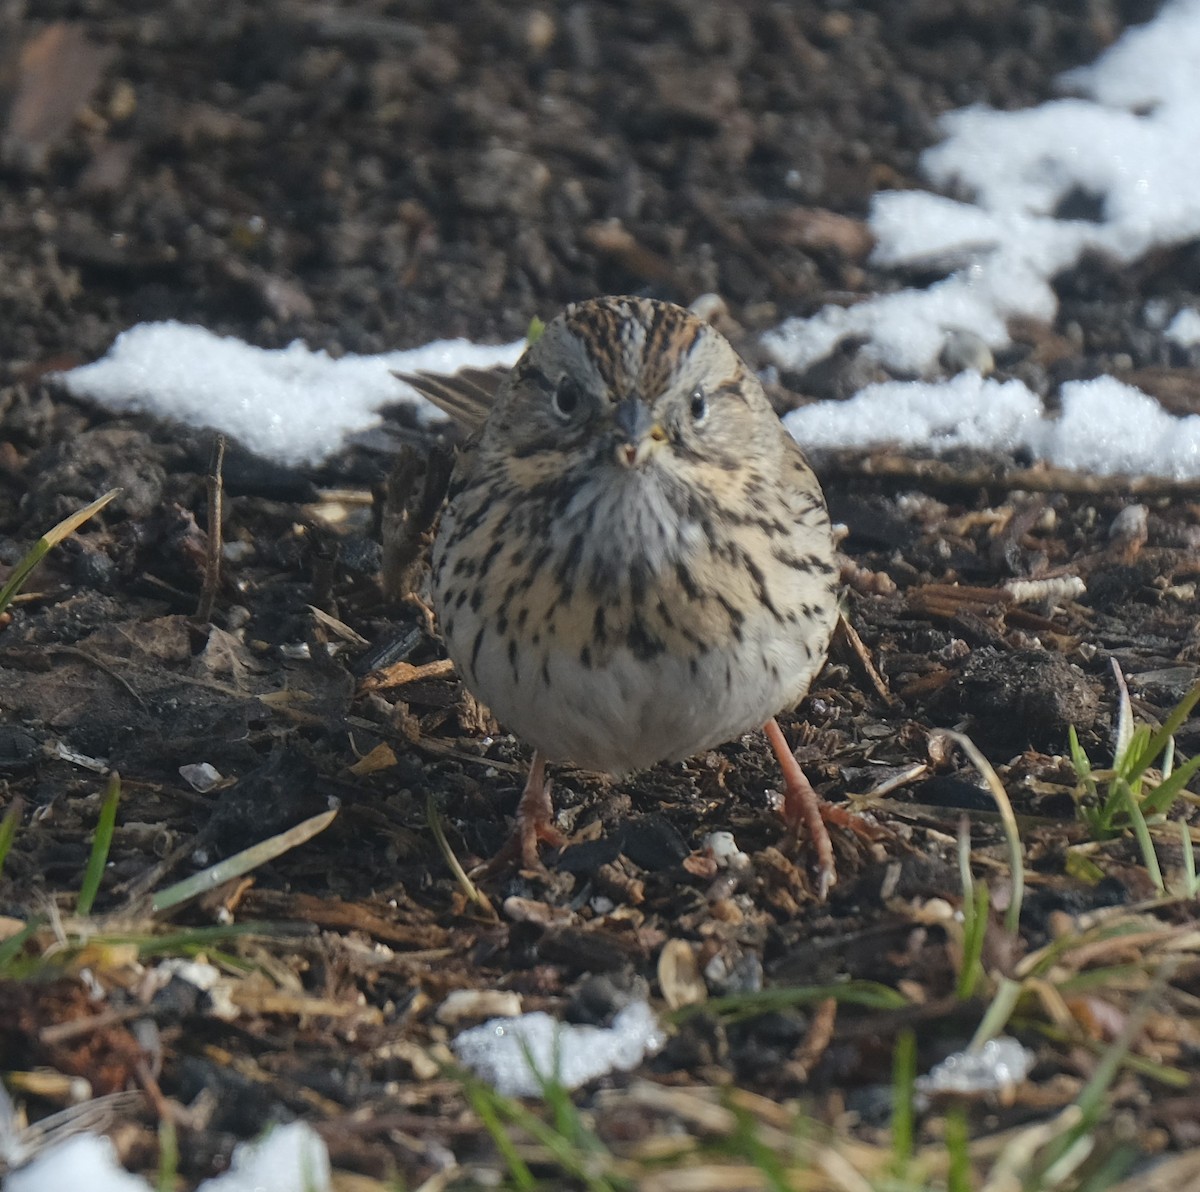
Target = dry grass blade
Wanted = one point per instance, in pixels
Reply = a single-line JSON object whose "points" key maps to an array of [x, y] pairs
{"points": [[469, 888], [1012, 835], [20, 1143], [241, 863], [47, 542], [1181, 1171]]}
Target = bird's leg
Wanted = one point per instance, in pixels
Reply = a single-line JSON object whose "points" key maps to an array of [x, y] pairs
{"points": [[535, 815], [804, 808], [535, 824]]}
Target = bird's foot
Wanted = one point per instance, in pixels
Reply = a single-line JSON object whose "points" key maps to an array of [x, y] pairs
{"points": [[534, 826], [806, 813]]}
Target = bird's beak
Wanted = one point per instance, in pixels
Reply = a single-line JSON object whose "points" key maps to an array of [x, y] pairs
{"points": [[637, 433]]}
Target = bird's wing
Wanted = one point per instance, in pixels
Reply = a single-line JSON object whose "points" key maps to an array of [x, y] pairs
{"points": [[801, 489], [465, 396]]}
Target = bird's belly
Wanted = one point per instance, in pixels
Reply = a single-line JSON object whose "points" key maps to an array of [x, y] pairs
{"points": [[630, 713]]}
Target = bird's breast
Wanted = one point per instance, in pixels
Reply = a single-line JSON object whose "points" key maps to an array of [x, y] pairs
{"points": [[623, 626]]}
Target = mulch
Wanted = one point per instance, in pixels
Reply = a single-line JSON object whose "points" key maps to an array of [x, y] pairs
{"points": [[367, 177]]}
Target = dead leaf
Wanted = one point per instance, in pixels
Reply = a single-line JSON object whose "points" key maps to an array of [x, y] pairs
{"points": [[382, 757], [58, 72]]}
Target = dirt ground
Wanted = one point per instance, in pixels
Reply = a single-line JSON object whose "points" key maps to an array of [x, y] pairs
{"points": [[371, 175]]}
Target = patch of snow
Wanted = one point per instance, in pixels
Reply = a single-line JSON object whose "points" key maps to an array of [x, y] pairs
{"points": [[292, 404], [82, 1161], [999, 1064], [1133, 145], [966, 411], [511, 1053], [1106, 426], [1132, 142], [290, 1158]]}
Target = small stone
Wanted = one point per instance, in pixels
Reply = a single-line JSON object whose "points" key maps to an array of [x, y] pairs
{"points": [[504, 180], [201, 777], [540, 31], [1131, 522], [963, 351]]}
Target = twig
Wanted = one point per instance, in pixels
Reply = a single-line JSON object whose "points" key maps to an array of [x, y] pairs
{"points": [[861, 655], [100, 664], [212, 563], [938, 473]]}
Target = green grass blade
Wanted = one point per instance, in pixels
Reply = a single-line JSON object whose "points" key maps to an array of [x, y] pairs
{"points": [[1081, 867], [101, 843], [168, 1157], [552, 1092], [21, 572], [1091, 1098], [42, 547], [904, 1083], [1080, 760], [1106, 977], [1104, 822], [485, 1103], [577, 1165], [958, 1174], [1145, 843], [190, 940], [1159, 800], [1178, 714], [1097, 824], [999, 1011], [1190, 889], [8, 829], [975, 917], [574, 1151], [1175, 1079], [736, 1007], [1111, 1170], [974, 932], [565, 1116], [747, 1142], [12, 947]]}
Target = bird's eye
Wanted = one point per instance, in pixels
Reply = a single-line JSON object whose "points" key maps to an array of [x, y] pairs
{"points": [[698, 405], [568, 397]]}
